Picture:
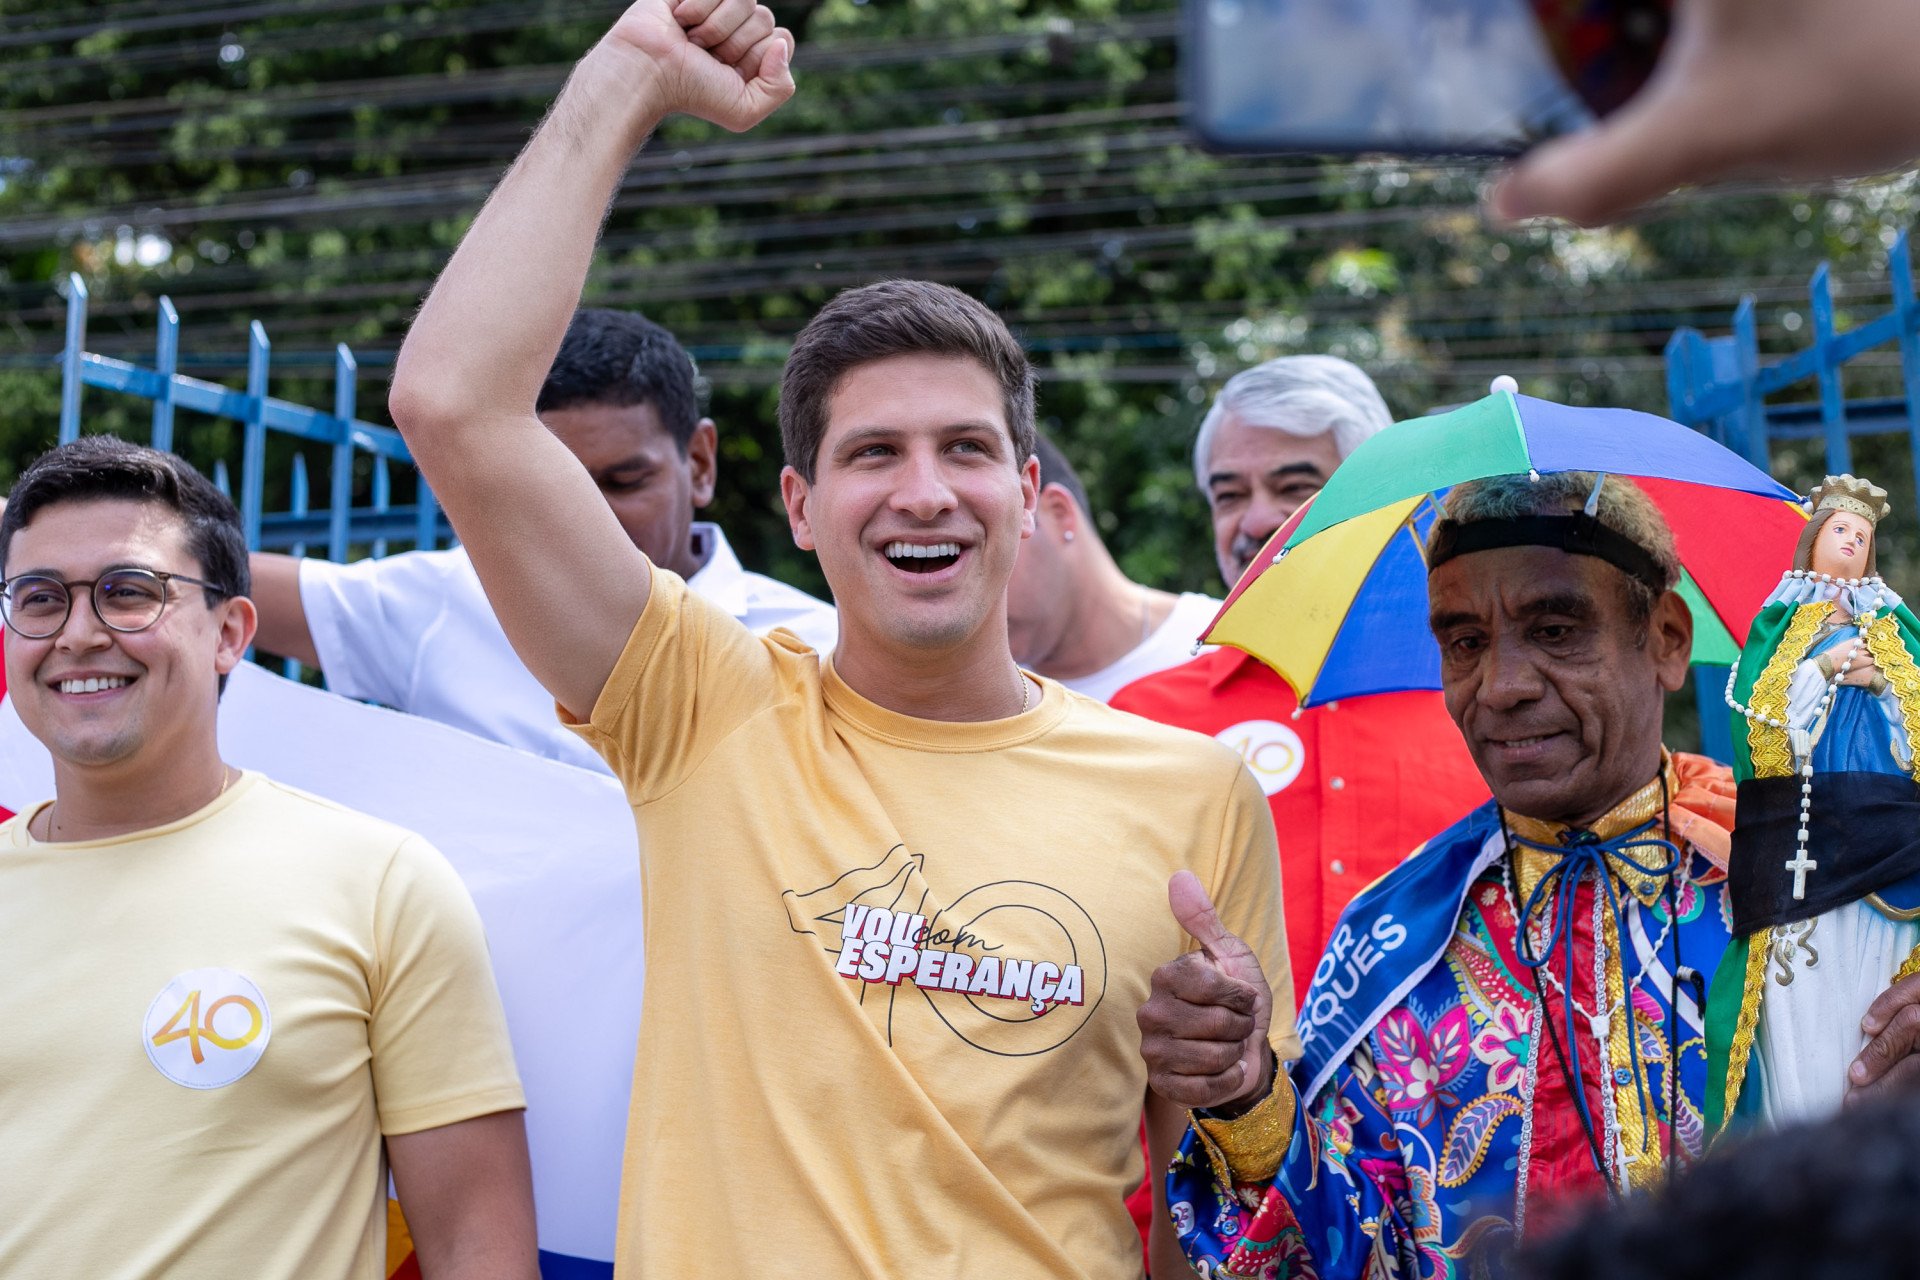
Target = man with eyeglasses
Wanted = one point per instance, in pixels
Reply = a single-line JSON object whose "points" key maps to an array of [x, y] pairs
{"points": [[233, 1007]]}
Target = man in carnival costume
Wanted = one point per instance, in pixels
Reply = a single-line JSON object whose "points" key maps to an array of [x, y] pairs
{"points": [[1825, 880], [1464, 1075]]}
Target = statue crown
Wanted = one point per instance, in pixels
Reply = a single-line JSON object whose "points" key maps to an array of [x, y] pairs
{"points": [[1849, 493]]}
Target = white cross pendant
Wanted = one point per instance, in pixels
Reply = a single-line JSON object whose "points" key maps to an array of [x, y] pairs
{"points": [[1800, 865]]}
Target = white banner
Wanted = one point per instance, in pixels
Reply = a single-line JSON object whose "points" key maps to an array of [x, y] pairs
{"points": [[548, 852]]}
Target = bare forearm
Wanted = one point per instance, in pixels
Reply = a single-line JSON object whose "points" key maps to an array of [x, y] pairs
{"points": [[479, 1259], [470, 373], [489, 329], [564, 579], [467, 1193], [284, 629]]}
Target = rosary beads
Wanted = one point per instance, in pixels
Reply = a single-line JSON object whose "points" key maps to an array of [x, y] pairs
{"points": [[1802, 864]]}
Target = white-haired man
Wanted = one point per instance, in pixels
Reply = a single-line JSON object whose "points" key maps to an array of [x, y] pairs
{"points": [[1271, 440]]}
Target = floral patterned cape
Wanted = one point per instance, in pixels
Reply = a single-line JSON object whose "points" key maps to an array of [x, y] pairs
{"points": [[1427, 1137]]}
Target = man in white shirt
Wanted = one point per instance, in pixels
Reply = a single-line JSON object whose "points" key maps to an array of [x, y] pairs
{"points": [[1073, 615], [416, 631]]}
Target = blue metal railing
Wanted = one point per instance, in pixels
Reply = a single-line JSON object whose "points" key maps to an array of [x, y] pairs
{"points": [[342, 525], [1720, 386], [338, 528]]}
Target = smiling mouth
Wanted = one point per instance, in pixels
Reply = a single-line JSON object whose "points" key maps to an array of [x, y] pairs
{"points": [[915, 558], [1522, 746], [94, 684]]}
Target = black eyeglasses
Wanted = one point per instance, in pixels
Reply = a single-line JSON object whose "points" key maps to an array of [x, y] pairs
{"points": [[37, 606]]}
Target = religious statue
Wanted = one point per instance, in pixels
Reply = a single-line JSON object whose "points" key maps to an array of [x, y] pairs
{"points": [[1824, 877]]}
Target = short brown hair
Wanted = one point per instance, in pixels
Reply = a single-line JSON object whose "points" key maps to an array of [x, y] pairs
{"points": [[896, 318], [104, 468]]}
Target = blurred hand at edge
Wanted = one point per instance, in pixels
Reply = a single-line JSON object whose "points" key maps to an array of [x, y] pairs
{"points": [[1773, 89]]}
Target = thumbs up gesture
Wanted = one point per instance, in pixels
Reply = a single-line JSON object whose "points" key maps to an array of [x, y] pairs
{"points": [[1203, 1031]]}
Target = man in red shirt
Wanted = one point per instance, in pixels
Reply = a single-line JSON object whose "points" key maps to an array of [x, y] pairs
{"points": [[1354, 785]]}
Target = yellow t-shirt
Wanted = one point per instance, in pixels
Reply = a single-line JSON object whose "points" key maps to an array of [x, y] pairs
{"points": [[960, 1093], [210, 1024]]}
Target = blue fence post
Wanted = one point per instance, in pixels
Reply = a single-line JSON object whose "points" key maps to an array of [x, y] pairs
{"points": [[297, 506], [261, 416], [341, 496], [70, 382], [1675, 352], [253, 447], [1907, 313], [298, 498], [166, 362], [1833, 399], [1753, 408], [382, 499], [1680, 376]]}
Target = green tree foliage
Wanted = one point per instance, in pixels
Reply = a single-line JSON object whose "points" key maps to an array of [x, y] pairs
{"points": [[311, 163]]}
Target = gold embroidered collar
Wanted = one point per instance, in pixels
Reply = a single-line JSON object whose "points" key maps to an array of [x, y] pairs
{"points": [[1636, 810]]}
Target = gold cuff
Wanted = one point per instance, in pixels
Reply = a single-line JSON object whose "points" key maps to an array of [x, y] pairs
{"points": [[1877, 686], [1824, 662], [1250, 1148]]}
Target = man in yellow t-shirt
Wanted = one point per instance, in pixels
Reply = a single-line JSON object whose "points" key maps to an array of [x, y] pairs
{"points": [[231, 1006], [901, 906]]}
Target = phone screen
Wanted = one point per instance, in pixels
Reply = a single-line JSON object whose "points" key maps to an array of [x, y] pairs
{"points": [[1484, 77]]}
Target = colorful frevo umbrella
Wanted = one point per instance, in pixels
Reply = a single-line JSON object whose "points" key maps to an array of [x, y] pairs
{"points": [[1337, 600]]}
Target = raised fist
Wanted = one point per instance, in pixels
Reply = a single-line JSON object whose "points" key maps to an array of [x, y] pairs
{"points": [[724, 61], [1203, 1032]]}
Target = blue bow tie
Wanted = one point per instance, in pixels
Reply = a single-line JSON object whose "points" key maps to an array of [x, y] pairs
{"points": [[1655, 858]]}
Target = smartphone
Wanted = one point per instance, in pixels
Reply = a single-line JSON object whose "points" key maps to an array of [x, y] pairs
{"points": [[1411, 77]]}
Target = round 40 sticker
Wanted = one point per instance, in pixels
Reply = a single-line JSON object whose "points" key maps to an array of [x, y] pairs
{"points": [[207, 1028], [1272, 752]]}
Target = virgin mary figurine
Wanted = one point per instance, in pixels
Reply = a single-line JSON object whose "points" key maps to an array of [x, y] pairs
{"points": [[1824, 878]]}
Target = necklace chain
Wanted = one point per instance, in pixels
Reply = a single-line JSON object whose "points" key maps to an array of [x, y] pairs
{"points": [[1603, 1024], [1601, 1027]]}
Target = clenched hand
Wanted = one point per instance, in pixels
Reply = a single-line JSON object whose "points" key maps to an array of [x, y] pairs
{"points": [[724, 61]]}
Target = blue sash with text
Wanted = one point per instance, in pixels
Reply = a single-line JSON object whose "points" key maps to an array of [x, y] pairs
{"points": [[1387, 940]]}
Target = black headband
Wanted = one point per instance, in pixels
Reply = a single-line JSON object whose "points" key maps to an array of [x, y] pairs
{"points": [[1579, 534]]}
